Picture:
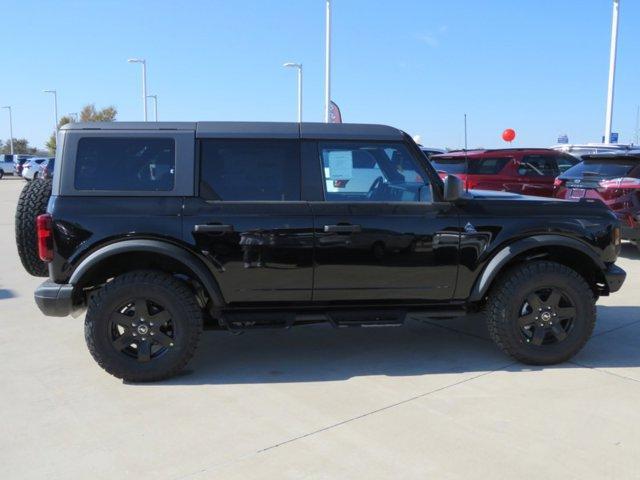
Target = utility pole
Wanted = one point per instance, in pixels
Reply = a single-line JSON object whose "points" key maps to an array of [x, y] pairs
{"points": [[8, 107], [297, 66], [612, 71], [55, 106], [144, 83]]}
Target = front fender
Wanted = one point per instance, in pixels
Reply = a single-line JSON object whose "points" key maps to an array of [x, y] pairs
{"points": [[506, 254]]}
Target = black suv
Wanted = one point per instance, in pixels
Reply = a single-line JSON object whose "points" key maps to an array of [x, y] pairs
{"points": [[157, 229]]}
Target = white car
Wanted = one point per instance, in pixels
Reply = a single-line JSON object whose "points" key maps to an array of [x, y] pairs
{"points": [[578, 150], [31, 168]]}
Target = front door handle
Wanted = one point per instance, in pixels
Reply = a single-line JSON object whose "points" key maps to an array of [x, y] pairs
{"points": [[210, 228], [342, 228]]}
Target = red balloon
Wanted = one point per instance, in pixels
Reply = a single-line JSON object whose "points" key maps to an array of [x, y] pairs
{"points": [[509, 135]]}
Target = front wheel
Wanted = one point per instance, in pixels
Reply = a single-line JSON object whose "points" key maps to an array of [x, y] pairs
{"points": [[541, 313], [143, 326]]}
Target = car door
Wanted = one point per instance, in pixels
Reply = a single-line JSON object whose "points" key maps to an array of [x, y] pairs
{"points": [[249, 222], [537, 173], [389, 239]]}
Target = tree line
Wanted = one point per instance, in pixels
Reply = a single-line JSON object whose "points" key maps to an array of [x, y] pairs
{"points": [[89, 113]]}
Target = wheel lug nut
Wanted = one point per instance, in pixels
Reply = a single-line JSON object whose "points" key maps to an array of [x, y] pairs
{"points": [[171, 344], [151, 334], [144, 339], [151, 324], [134, 335]]}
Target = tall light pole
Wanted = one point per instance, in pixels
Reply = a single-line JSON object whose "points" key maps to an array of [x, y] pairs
{"points": [[327, 67], [144, 82], [8, 107], [299, 67], [155, 105], [612, 70], [55, 106]]}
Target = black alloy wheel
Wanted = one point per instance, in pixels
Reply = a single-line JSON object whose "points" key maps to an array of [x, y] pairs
{"points": [[546, 317], [142, 329]]}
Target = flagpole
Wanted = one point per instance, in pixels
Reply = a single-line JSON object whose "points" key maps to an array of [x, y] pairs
{"points": [[612, 71], [327, 69]]}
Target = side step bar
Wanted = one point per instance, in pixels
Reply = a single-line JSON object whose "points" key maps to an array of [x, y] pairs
{"points": [[344, 318]]}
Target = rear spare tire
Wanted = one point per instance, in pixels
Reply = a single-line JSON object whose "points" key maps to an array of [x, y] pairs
{"points": [[32, 202]]}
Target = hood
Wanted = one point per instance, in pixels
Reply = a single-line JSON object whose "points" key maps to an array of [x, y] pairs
{"points": [[498, 195]]}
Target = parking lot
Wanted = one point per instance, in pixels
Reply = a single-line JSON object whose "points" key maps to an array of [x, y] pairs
{"points": [[427, 400]]}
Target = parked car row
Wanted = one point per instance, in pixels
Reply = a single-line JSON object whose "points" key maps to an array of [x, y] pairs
{"points": [[603, 172], [26, 166]]}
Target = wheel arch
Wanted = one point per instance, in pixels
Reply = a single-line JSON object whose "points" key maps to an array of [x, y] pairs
{"points": [[127, 255], [564, 250]]}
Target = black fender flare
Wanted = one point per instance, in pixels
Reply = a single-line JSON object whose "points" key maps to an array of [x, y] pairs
{"points": [[506, 254], [188, 259]]}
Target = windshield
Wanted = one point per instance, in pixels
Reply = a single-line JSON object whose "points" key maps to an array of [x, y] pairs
{"points": [[600, 169]]}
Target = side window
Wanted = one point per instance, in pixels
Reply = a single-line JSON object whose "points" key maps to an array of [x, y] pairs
{"points": [[126, 164], [371, 172], [538, 166], [565, 162], [488, 166], [250, 170]]}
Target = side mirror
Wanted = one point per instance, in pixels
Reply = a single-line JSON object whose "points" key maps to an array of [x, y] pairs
{"points": [[453, 188]]}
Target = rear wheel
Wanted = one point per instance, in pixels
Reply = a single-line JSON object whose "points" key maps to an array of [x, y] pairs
{"points": [[541, 313], [143, 326], [1, 174], [32, 202]]}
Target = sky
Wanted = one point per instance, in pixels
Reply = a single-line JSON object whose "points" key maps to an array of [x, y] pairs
{"points": [[537, 66]]}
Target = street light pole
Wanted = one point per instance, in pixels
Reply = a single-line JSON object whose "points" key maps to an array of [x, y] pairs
{"points": [[299, 67], [612, 71], [55, 105], [327, 68], [8, 107], [155, 105], [144, 83]]}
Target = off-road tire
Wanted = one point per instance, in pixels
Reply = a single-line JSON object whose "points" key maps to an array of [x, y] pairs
{"points": [[508, 296], [175, 296], [32, 202]]}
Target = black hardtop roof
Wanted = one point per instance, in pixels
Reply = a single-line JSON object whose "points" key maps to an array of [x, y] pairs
{"points": [[329, 131]]}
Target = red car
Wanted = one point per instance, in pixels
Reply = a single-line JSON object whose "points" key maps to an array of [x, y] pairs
{"points": [[528, 171], [613, 178]]}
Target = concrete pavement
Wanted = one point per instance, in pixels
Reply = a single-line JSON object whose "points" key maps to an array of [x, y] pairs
{"points": [[428, 400]]}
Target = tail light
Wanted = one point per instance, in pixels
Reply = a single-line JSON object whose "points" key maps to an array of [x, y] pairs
{"points": [[44, 232], [558, 182]]}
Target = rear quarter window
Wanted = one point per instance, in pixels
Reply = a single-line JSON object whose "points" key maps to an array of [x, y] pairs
{"points": [[487, 166], [125, 164]]}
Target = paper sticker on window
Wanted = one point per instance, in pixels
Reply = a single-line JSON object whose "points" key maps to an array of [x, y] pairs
{"points": [[340, 164]]}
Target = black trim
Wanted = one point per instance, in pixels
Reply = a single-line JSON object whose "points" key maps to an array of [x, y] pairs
{"points": [[188, 259], [615, 277], [55, 299], [505, 255]]}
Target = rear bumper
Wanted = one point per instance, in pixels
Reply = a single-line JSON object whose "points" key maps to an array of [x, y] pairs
{"points": [[615, 277], [55, 299]]}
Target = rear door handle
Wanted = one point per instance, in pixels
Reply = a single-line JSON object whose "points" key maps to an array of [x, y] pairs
{"points": [[213, 228], [342, 228]]}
